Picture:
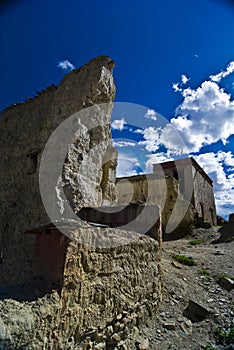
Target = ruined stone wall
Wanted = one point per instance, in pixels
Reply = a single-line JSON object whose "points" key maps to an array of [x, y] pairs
{"points": [[163, 191], [135, 217], [100, 285], [106, 291], [25, 129], [204, 201]]}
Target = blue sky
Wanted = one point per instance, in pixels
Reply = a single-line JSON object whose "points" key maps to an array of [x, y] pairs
{"points": [[157, 46]]}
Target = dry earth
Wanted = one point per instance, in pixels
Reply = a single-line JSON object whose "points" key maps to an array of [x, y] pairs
{"points": [[170, 329]]}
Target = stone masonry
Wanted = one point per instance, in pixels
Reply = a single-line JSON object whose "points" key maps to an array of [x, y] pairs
{"points": [[25, 129], [61, 284]]}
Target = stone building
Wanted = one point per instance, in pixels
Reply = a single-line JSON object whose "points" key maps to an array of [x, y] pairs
{"points": [[181, 188], [69, 279], [25, 129], [195, 185]]}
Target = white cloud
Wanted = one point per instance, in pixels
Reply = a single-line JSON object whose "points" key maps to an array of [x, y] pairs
{"points": [[152, 139], [139, 131], [127, 165], [151, 114], [223, 74], [175, 87], [205, 116], [118, 124], [184, 79], [123, 144], [65, 65], [213, 164]]}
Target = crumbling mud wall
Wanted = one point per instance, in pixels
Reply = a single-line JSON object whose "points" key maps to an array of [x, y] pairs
{"points": [[195, 186], [203, 198], [177, 212], [107, 290], [25, 129], [137, 217]]}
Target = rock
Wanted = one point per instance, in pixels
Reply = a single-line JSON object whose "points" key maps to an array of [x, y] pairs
{"points": [[176, 264], [100, 346], [221, 221], [171, 326], [109, 331], [117, 326], [187, 327], [115, 338], [196, 312], [226, 283], [144, 344], [231, 218], [226, 234], [2, 330], [88, 344]]}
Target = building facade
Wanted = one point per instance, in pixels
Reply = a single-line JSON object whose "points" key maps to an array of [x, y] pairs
{"points": [[181, 188]]}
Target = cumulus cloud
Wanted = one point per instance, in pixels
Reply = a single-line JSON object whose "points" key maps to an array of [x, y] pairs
{"points": [[118, 124], [127, 165], [151, 114], [177, 86], [223, 74], [66, 65], [215, 165], [152, 139], [205, 116], [123, 144]]}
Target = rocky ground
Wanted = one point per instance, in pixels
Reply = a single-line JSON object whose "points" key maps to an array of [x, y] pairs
{"points": [[208, 322]]}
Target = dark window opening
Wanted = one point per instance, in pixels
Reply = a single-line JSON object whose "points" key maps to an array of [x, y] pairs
{"points": [[202, 211], [32, 162]]}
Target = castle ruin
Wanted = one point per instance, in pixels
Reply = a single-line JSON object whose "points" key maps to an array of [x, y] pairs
{"points": [[69, 279]]}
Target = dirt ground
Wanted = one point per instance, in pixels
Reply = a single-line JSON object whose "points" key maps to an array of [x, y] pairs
{"points": [[173, 328]]}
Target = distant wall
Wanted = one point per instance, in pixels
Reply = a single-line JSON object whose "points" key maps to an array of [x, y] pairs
{"points": [[136, 217], [203, 196], [25, 129], [162, 191]]}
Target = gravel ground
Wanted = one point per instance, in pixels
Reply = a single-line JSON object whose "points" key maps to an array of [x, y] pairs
{"points": [[172, 328]]}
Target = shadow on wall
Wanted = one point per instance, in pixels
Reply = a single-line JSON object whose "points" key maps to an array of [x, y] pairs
{"points": [[29, 290]]}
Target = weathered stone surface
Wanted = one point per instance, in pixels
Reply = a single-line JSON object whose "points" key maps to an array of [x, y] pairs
{"points": [[101, 287], [25, 129], [86, 283], [226, 234], [231, 218], [137, 217], [163, 191], [196, 312], [226, 283]]}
